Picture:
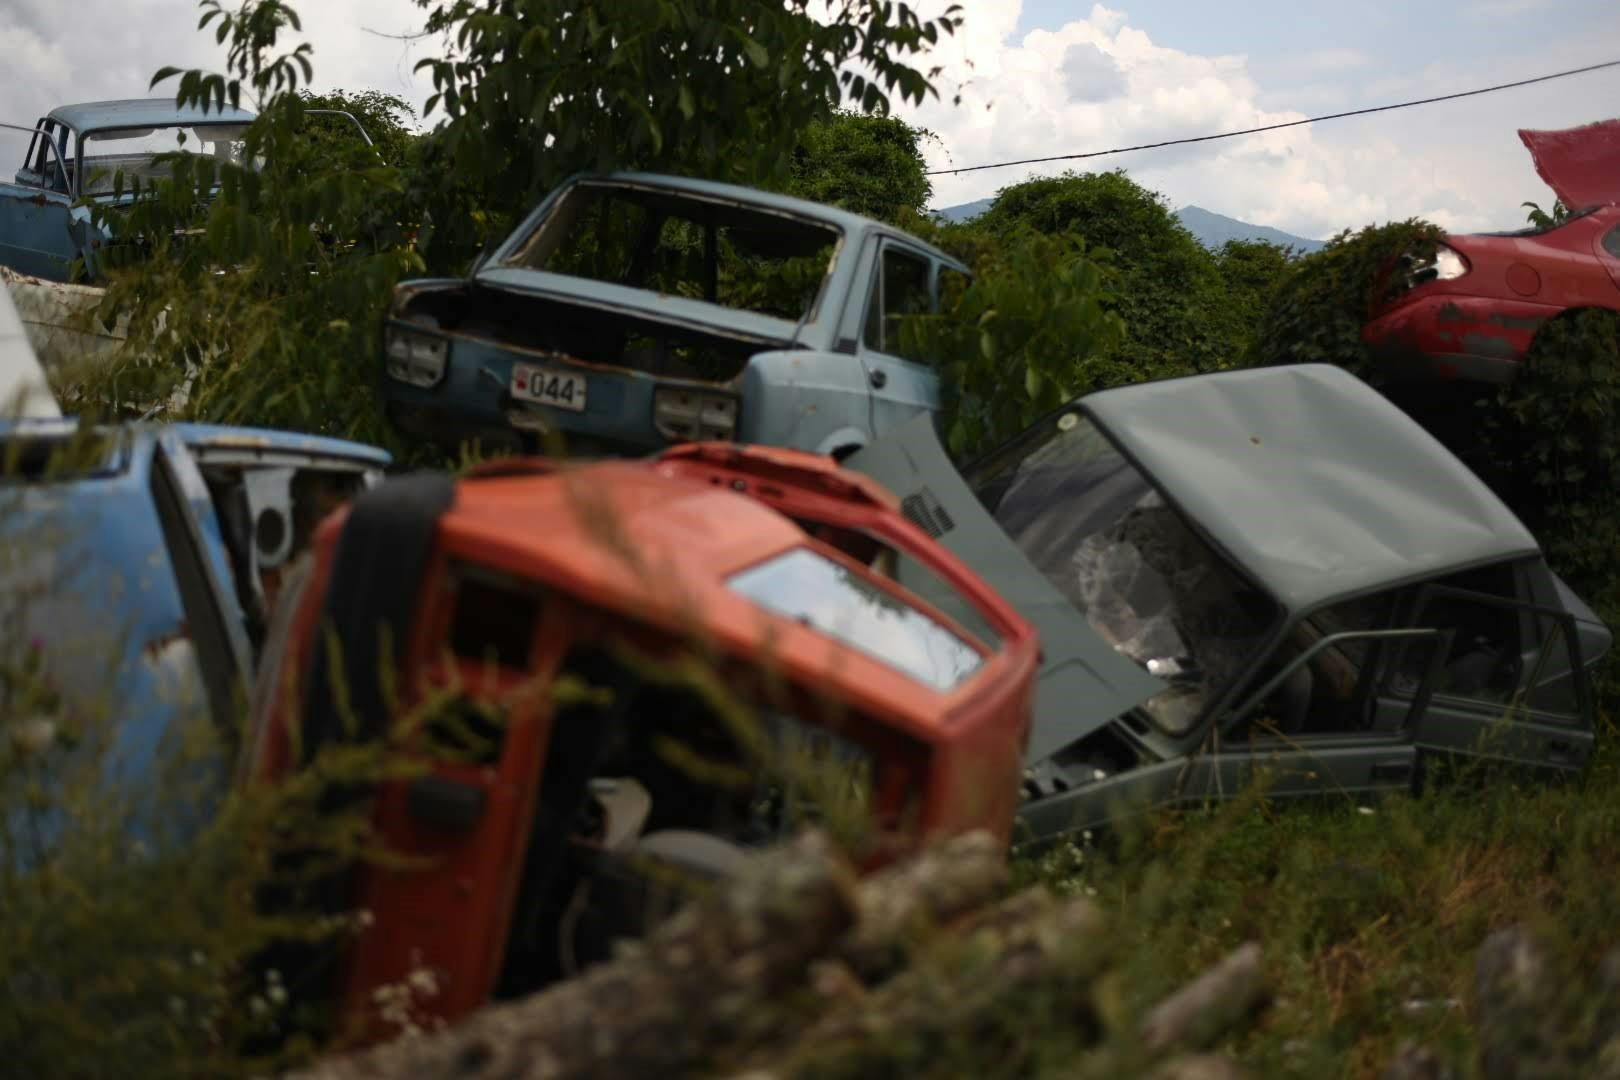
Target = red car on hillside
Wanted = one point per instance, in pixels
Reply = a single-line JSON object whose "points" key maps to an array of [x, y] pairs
{"points": [[1470, 311]]}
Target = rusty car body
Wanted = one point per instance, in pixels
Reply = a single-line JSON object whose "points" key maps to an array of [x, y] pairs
{"points": [[504, 588], [69, 159], [1469, 313], [632, 311], [1273, 569], [137, 566]]}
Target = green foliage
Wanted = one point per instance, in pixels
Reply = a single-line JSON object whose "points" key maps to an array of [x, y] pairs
{"points": [[1554, 454], [1369, 916], [1544, 219], [1249, 271], [257, 292], [1030, 332], [386, 118], [871, 165], [1318, 308], [1169, 291], [535, 90]]}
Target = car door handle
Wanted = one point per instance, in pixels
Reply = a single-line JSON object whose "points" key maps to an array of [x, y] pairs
{"points": [[879, 378], [1392, 770]]}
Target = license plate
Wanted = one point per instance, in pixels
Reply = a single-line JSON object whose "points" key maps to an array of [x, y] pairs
{"points": [[548, 386]]}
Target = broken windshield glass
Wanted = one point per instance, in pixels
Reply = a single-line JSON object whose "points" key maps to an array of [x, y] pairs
{"points": [[1155, 590]]}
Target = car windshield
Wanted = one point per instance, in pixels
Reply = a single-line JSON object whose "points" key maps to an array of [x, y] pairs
{"points": [[135, 151], [1106, 539], [813, 589], [740, 257]]}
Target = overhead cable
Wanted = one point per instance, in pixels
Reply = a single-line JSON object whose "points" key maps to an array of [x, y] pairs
{"points": [[1277, 127]]}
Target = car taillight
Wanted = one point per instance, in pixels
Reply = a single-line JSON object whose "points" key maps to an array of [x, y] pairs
{"points": [[413, 356], [1446, 264], [685, 415]]}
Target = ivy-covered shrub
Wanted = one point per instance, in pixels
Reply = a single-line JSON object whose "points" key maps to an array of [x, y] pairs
{"points": [[1030, 332], [1319, 306], [1169, 290], [1553, 436]]}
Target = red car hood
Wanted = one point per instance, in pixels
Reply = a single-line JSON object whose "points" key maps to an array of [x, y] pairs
{"points": [[1581, 164]]}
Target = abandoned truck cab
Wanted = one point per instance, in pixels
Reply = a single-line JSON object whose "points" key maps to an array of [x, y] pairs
{"points": [[73, 154], [542, 618], [632, 312], [1272, 568]]}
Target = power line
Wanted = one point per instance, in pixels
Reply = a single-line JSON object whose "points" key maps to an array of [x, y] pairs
{"points": [[1276, 127]]}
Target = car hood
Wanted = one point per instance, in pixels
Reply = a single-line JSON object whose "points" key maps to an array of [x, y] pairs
{"points": [[1084, 683], [1581, 164]]}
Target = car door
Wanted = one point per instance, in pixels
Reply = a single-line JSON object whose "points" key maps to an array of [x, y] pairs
{"points": [[1511, 687], [1339, 749], [902, 283], [35, 201]]}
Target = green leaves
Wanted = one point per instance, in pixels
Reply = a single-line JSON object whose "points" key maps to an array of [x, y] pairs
{"points": [[1319, 307], [537, 90], [260, 288], [1030, 332]]}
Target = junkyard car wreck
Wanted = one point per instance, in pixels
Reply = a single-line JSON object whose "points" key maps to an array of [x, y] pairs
{"points": [[632, 311], [538, 614], [1266, 569], [74, 157]]}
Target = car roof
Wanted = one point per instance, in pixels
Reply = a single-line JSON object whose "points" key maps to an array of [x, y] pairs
{"points": [[846, 220], [660, 549], [1310, 479], [226, 437], [143, 112]]}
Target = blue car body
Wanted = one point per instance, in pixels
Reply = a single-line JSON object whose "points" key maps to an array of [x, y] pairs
{"points": [[142, 566], [645, 357], [45, 222]]}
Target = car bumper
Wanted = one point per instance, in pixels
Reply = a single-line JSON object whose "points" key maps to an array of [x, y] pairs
{"points": [[1446, 337], [474, 400]]}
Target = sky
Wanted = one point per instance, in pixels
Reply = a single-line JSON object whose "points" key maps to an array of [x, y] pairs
{"points": [[1043, 77]]}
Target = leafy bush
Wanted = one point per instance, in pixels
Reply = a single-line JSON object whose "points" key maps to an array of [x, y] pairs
{"points": [[870, 165], [1029, 333], [262, 304], [1169, 291], [1555, 457], [1318, 308], [534, 90]]}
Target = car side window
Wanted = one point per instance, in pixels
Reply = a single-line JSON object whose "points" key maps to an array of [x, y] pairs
{"points": [[899, 288], [1488, 642], [1611, 241], [44, 160]]}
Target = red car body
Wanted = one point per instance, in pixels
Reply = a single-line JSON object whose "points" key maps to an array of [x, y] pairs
{"points": [[527, 574], [1471, 312]]}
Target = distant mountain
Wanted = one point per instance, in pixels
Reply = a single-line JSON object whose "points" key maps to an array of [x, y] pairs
{"points": [[1211, 229], [965, 210], [1214, 229]]}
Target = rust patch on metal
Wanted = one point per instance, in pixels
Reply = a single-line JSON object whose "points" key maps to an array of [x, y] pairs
{"points": [[1516, 322]]}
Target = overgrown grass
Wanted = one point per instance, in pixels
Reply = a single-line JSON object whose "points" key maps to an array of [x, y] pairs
{"points": [[1369, 916]]}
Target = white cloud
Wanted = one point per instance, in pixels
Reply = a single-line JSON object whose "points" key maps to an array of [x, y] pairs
{"points": [[1093, 83], [55, 56], [1459, 164]]}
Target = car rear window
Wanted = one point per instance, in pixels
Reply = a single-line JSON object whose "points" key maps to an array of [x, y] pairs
{"points": [[729, 254], [809, 587]]}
